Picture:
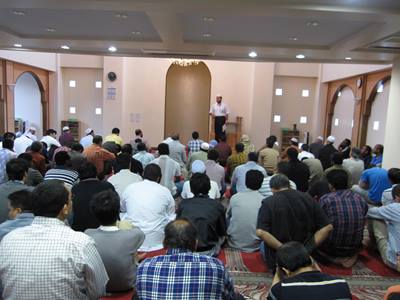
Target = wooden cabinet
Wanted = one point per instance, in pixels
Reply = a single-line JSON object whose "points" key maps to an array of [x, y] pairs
{"points": [[286, 135], [73, 127]]}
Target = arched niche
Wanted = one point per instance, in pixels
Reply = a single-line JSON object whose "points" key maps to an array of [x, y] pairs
{"points": [[28, 101], [187, 100], [342, 120]]}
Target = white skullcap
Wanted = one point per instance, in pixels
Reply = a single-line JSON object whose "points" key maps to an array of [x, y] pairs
{"points": [[198, 166], [32, 128], [320, 138], [65, 128], [294, 140], [219, 95], [331, 139], [204, 146], [89, 130]]}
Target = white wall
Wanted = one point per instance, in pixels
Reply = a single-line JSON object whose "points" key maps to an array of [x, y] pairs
{"points": [[331, 72], [344, 112], [378, 114], [81, 61], [47, 61], [28, 106], [297, 69]]}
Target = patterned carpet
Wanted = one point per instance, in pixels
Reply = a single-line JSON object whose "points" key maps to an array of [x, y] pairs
{"points": [[368, 279]]}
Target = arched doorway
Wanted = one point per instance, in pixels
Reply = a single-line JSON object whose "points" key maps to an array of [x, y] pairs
{"points": [[28, 110], [187, 100]]}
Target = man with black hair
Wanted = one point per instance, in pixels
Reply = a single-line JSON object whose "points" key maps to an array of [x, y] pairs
{"points": [[214, 170], [98, 155], [347, 212], [120, 260], [237, 159], [20, 212], [242, 214], [199, 155], [82, 193], [136, 166], [114, 137], [298, 171], [337, 164], [206, 214], [281, 168], [16, 170], [123, 176], [354, 165], [194, 143], [239, 175], [76, 155], [38, 160], [6, 154], [304, 152], [177, 151], [377, 158], [299, 277], [268, 157], [33, 177], [394, 178], [142, 155], [170, 169], [50, 139], [62, 170], [63, 264], [289, 215], [224, 150], [150, 206], [182, 274]]}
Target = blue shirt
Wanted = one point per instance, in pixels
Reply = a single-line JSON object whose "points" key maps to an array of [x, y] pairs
{"points": [[391, 214], [23, 219], [181, 274], [239, 175], [376, 161], [378, 181]]}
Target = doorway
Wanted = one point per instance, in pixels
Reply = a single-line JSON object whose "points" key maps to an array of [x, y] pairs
{"points": [[187, 101]]}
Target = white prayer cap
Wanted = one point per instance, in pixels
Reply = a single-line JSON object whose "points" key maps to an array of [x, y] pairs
{"points": [[331, 139], [198, 166], [320, 138], [294, 140], [219, 95], [65, 128], [88, 131], [32, 128], [205, 146]]}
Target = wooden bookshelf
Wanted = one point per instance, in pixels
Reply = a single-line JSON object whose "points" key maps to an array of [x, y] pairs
{"points": [[73, 126]]}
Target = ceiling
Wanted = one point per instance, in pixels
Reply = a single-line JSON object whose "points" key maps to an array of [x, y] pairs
{"points": [[367, 31]]}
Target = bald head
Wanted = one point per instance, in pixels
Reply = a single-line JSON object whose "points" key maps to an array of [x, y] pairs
{"points": [[180, 234]]}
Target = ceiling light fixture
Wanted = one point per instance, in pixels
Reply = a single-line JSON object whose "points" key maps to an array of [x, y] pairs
{"points": [[207, 35], [293, 38], [17, 45], [50, 29], [312, 24], [19, 13], [136, 32], [112, 49], [121, 15], [348, 58], [208, 19], [65, 47], [300, 56], [253, 54], [185, 62]]}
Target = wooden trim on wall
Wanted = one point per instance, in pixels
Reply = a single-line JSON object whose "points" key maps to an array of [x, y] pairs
{"points": [[363, 99]]}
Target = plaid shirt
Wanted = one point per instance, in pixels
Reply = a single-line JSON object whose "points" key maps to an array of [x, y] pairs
{"points": [[346, 211], [5, 156], [48, 260], [194, 145], [181, 274]]}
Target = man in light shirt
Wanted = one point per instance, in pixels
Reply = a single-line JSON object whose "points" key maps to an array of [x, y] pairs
{"points": [[220, 112], [114, 137], [142, 155], [22, 143], [87, 140], [50, 139], [63, 264], [239, 175], [149, 206]]}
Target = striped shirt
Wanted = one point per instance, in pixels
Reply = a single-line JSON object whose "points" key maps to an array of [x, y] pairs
{"points": [[69, 177], [265, 189]]}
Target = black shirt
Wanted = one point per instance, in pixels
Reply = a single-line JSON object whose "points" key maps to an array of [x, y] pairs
{"points": [[208, 216], [315, 148], [299, 173], [325, 155], [290, 215], [82, 194], [323, 286]]}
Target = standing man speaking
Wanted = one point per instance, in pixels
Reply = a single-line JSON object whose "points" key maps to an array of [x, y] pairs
{"points": [[220, 112]]}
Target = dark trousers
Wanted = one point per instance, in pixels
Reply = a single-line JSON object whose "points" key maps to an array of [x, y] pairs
{"points": [[218, 124]]}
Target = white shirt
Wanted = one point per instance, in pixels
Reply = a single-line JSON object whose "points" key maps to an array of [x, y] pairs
{"points": [[86, 141], [213, 193], [169, 169], [219, 110], [123, 179], [50, 141], [21, 143], [149, 206], [305, 154]]}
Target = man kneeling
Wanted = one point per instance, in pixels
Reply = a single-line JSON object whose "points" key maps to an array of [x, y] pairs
{"points": [[298, 277]]}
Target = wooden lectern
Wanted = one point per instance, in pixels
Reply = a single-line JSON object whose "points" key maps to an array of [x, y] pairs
{"points": [[233, 131]]}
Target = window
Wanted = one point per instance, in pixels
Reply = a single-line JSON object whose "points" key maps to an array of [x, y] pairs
{"points": [[336, 123], [380, 88], [352, 123], [376, 126], [98, 111], [98, 84], [277, 118], [278, 92], [339, 94], [72, 83], [305, 93], [303, 120], [72, 110]]}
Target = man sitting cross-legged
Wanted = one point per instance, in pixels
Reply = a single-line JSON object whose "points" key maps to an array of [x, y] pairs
{"points": [[117, 248], [346, 211], [48, 260], [182, 274], [298, 277], [289, 215]]}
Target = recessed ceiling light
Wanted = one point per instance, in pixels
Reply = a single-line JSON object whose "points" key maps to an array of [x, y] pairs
{"points": [[208, 19], [65, 47], [293, 38], [300, 56], [17, 45], [348, 58], [121, 15], [253, 54], [112, 49], [136, 32], [50, 29], [312, 24], [19, 13], [207, 35]]}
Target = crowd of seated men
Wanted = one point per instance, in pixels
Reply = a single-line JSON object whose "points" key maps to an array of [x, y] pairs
{"points": [[86, 212]]}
